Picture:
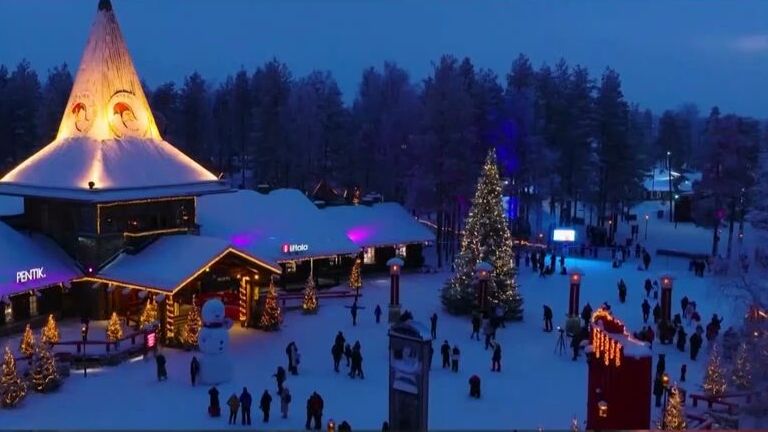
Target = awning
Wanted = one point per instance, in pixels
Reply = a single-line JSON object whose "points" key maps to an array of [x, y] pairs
{"points": [[31, 261], [171, 262]]}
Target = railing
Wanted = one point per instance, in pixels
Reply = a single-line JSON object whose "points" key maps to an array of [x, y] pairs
{"points": [[80, 344]]}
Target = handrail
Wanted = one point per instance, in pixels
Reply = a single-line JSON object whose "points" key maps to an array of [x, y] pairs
{"points": [[107, 344]]}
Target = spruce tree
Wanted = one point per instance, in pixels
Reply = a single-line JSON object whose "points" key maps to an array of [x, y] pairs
{"points": [[486, 238], [674, 414], [114, 330], [192, 327], [741, 376], [45, 376], [27, 345], [272, 316], [714, 377], [310, 305], [50, 333], [149, 317], [355, 278], [12, 387]]}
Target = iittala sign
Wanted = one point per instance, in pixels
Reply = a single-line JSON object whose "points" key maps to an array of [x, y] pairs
{"points": [[30, 275], [295, 247]]}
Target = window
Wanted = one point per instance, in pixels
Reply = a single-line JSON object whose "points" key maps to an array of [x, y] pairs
{"points": [[8, 311], [369, 255], [32, 303], [401, 251], [290, 267]]}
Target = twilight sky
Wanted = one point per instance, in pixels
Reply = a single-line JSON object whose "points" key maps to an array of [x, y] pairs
{"points": [[667, 51]]}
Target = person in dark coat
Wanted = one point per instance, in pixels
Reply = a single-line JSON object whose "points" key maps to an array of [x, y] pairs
{"points": [[575, 346], [586, 314], [337, 351], [433, 325], [661, 365], [234, 405], [385, 427], [496, 358], [162, 373], [455, 353], [547, 318], [340, 340], [214, 409], [648, 287], [194, 370], [265, 404], [658, 389], [348, 354], [445, 352], [345, 427], [622, 291], [316, 405], [280, 378], [245, 407], [474, 387], [684, 303], [677, 321], [656, 314], [353, 311], [292, 352], [377, 313], [646, 259], [681, 339], [357, 362], [476, 321], [646, 310], [683, 370], [696, 343]]}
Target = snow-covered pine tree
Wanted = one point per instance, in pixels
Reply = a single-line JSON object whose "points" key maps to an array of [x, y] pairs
{"points": [[45, 376], [12, 387], [310, 305], [50, 333], [741, 376], [27, 345], [149, 317], [272, 316], [355, 278], [486, 238], [114, 330], [714, 377], [674, 414], [192, 327]]}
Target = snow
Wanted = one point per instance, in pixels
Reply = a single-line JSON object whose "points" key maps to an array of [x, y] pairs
{"points": [[167, 262], [381, 224], [112, 195], [23, 252], [11, 206], [262, 223]]}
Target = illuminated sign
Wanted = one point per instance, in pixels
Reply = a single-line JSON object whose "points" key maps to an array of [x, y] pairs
{"points": [[295, 247], [150, 340], [30, 275], [564, 235]]}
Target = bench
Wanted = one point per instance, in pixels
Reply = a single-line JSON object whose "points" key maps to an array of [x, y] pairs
{"points": [[713, 400]]}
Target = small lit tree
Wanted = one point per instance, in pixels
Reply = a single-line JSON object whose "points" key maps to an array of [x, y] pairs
{"points": [[575, 425], [714, 378], [355, 279], [192, 327], [114, 329], [12, 387], [45, 376], [50, 333], [27, 346], [149, 317], [310, 305], [272, 316], [741, 376], [674, 413]]}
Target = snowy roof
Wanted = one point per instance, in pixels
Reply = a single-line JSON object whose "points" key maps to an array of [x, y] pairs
{"points": [[171, 261], [11, 205], [21, 253], [263, 224], [382, 224], [107, 135]]}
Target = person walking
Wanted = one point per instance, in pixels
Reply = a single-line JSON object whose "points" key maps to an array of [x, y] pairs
{"points": [[575, 345], [475, 326], [488, 333], [162, 373], [293, 358], [696, 342], [357, 362], [681, 339], [214, 410], [684, 304], [194, 370], [433, 325], [353, 311], [622, 291], [265, 404], [445, 352], [474, 387], [496, 358], [280, 378], [285, 400], [348, 354], [234, 405], [315, 410], [646, 310], [455, 353], [656, 313], [683, 371], [547, 318], [337, 351], [377, 313], [648, 286], [245, 407], [646, 259], [586, 314]]}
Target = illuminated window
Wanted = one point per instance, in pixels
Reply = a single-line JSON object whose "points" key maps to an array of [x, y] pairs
{"points": [[369, 255], [32, 304], [290, 267], [401, 251], [8, 312]]}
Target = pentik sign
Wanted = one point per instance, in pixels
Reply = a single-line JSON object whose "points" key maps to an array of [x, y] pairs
{"points": [[294, 247], [30, 275]]}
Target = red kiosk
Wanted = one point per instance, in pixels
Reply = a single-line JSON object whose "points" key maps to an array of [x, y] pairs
{"points": [[619, 384]]}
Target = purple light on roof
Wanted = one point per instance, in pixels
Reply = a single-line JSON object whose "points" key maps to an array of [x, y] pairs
{"points": [[243, 239], [359, 234]]}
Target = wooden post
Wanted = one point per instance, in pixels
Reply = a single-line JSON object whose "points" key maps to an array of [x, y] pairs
{"points": [[170, 317], [243, 300]]}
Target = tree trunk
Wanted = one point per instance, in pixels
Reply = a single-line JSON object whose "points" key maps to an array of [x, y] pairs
{"points": [[731, 223]]}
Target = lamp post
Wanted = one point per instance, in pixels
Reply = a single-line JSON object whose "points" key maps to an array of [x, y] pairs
{"points": [[669, 176], [84, 333], [483, 270], [666, 297], [665, 383], [395, 266], [646, 227]]}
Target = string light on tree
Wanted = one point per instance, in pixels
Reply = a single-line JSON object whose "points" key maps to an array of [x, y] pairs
{"points": [[50, 333], [486, 238], [12, 387], [193, 326], [114, 329], [309, 305], [714, 378], [45, 376], [674, 413], [741, 375], [272, 315], [27, 345], [149, 317], [575, 425], [355, 279]]}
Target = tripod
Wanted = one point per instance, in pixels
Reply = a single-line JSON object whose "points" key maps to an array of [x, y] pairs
{"points": [[560, 345]]}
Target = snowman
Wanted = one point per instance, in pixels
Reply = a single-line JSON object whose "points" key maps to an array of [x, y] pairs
{"points": [[213, 340]]}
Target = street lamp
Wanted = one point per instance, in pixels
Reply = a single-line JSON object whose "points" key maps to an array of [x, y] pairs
{"points": [[669, 173], [84, 333], [395, 266], [646, 227], [665, 383], [483, 270]]}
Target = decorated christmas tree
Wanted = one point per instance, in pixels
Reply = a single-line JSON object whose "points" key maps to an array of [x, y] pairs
{"points": [[714, 377], [674, 414], [355, 279], [114, 329], [12, 387], [45, 376], [27, 346], [741, 376], [309, 305], [149, 317], [50, 333], [192, 327], [272, 316], [486, 238]]}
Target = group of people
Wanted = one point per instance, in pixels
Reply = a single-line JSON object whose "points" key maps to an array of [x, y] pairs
{"points": [[698, 266], [537, 260], [353, 355]]}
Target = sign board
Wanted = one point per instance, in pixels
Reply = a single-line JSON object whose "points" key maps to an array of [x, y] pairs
{"points": [[564, 235], [30, 275], [295, 247], [150, 340]]}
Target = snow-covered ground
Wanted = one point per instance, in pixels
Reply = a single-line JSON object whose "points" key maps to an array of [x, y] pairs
{"points": [[537, 387]]}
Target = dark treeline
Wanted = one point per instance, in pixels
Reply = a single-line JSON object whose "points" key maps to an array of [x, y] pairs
{"points": [[560, 133]]}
